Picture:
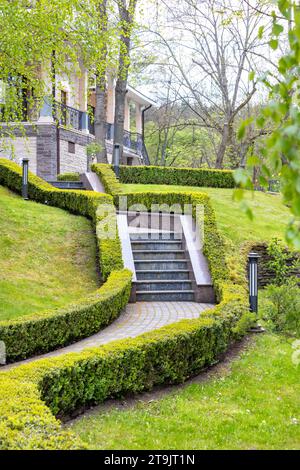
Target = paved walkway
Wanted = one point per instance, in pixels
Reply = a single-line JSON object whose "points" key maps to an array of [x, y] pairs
{"points": [[136, 319]]}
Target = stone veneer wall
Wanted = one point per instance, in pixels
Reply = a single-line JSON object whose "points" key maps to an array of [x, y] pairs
{"points": [[265, 275], [18, 148], [35, 141], [38, 142], [78, 161]]}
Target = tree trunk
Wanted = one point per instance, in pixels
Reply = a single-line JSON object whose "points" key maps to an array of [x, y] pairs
{"points": [[126, 20], [222, 146], [120, 96], [101, 90], [100, 119]]}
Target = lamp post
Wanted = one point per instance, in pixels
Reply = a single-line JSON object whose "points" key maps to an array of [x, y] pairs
{"points": [[253, 289], [116, 160], [253, 281], [25, 165]]}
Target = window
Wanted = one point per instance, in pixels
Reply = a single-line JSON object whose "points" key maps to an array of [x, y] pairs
{"points": [[2, 92], [71, 147], [63, 97]]}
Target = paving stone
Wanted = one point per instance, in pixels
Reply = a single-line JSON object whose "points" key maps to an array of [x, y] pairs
{"points": [[135, 320]]}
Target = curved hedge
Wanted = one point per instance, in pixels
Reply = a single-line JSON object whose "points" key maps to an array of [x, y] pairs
{"points": [[177, 176], [49, 330], [65, 383], [165, 356], [108, 178]]}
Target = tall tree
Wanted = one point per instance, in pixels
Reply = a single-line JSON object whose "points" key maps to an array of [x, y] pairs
{"points": [[101, 87], [30, 32], [126, 10], [212, 46]]}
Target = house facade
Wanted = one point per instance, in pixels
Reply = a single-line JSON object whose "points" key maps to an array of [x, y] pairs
{"points": [[58, 138]]}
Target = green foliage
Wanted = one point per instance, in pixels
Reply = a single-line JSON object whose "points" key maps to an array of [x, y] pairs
{"points": [[108, 178], [48, 330], [26, 422], [177, 176], [282, 307], [30, 32], [280, 152], [270, 219], [68, 177], [251, 403], [179, 144], [65, 383], [39, 36], [169, 355], [278, 263], [39, 246]]}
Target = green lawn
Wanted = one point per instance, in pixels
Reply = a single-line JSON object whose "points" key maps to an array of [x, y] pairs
{"points": [[253, 405], [271, 216], [47, 257]]}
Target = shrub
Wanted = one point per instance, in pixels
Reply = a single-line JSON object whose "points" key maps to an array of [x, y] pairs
{"points": [[165, 356], [46, 331], [68, 177], [282, 308], [49, 330], [177, 176], [108, 178], [65, 383], [278, 263]]}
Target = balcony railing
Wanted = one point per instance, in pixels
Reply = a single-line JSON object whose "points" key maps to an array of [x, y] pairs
{"points": [[132, 140], [67, 116]]}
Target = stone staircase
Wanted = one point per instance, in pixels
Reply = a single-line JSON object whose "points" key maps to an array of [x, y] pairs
{"points": [[162, 267], [71, 185]]}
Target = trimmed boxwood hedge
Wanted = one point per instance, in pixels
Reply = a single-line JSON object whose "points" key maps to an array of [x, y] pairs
{"points": [[108, 178], [49, 330], [213, 248], [177, 176], [65, 383], [169, 355], [68, 177]]}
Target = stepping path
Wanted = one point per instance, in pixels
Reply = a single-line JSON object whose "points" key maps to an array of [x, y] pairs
{"points": [[135, 320]]}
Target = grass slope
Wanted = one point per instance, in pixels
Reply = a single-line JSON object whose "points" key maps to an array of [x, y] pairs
{"points": [[271, 216], [47, 257], [255, 405]]}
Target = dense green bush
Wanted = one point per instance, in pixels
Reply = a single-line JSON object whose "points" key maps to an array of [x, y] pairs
{"points": [[65, 383], [108, 178], [177, 176], [165, 356], [281, 309], [49, 330], [68, 177], [278, 263], [46, 331]]}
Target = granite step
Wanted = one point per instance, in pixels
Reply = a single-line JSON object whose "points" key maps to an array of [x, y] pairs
{"points": [[160, 265], [152, 236], [165, 296], [158, 255], [178, 274], [165, 285], [156, 245]]}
